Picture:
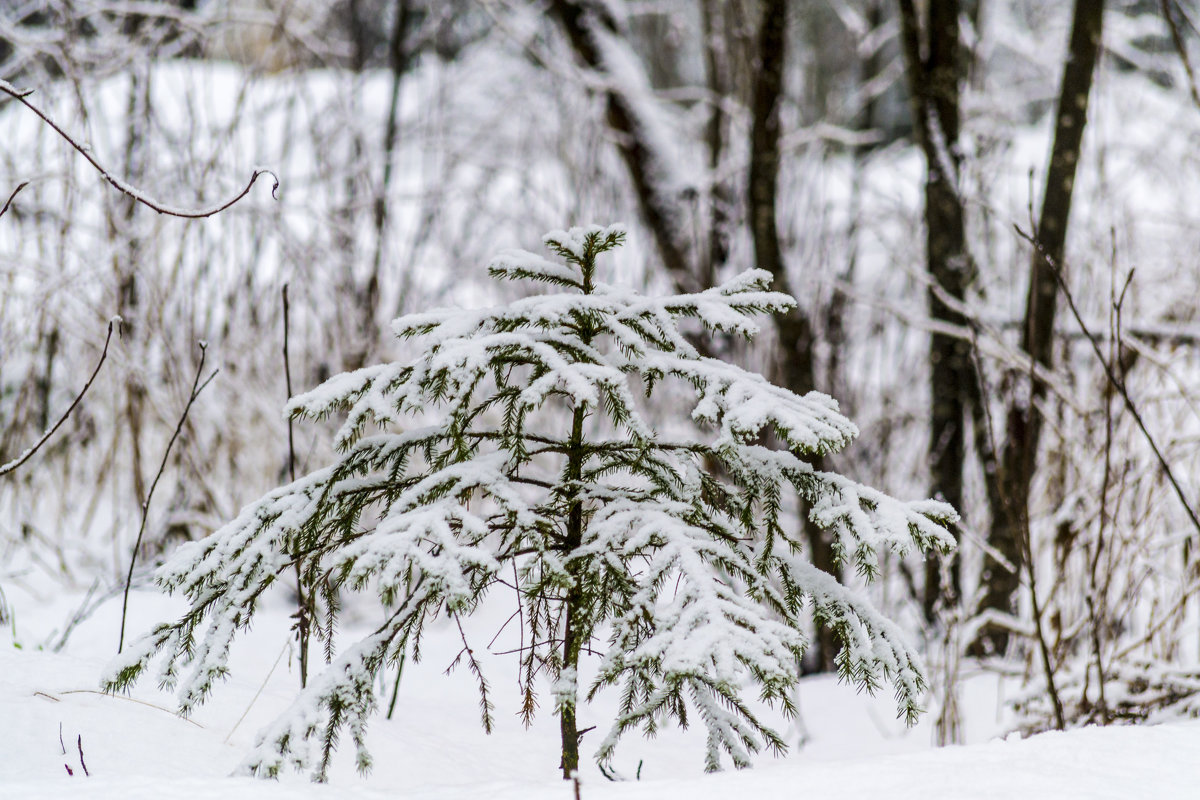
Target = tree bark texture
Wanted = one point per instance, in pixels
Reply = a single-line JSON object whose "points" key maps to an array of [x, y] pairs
{"points": [[720, 194], [934, 78], [795, 368], [1023, 420], [581, 20]]}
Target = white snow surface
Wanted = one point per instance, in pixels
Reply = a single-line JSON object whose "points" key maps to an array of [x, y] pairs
{"points": [[433, 747]]}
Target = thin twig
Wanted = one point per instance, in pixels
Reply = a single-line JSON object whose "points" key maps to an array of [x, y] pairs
{"points": [[287, 374], [1043, 647], [302, 610], [197, 388], [1026, 537], [511, 617], [1116, 382], [10, 466], [396, 685], [1022, 524], [22, 96], [129, 699], [523, 648], [520, 614], [12, 196], [262, 686], [82, 763], [86, 607], [1180, 47]]}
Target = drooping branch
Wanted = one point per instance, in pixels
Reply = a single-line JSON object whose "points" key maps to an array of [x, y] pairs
{"points": [[28, 454], [137, 195]]}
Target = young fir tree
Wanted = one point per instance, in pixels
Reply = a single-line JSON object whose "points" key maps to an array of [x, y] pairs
{"points": [[513, 444]]}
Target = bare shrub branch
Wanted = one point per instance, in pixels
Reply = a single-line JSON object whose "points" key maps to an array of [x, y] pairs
{"points": [[1116, 382], [12, 197], [197, 388], [22, 96], [28, 454]]}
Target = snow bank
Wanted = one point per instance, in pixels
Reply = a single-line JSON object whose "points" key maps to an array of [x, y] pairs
{"points": [[135, 750]]}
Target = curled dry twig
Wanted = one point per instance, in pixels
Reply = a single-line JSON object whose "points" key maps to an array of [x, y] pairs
{"points": [[28, 454], [197, 388], [22, 96]]}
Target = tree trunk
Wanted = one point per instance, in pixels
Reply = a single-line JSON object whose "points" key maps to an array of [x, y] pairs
{"points": [[933, 80], [577, 626], [128, 256], [795, 368], [1023, 420], [586, 22], [573, 633], [398, 61], [363, 292], [720, 194]]}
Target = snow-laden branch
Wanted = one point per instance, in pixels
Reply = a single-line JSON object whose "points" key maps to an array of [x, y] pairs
{"points": [[679, 554]]}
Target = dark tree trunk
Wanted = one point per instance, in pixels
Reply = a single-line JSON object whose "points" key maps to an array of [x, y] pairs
{"points": [[573, 626], [576, 615], [1023, 420], [716, 66], [933, 79], [398, 61], [365, 290], [795, 368], [659, 210]]}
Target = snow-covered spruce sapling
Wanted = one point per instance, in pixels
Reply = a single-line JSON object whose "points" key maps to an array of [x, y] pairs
{"points": [[513, 447]]}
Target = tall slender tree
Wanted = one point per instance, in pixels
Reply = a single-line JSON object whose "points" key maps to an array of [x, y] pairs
{"points": [[934, 66], [601, 42], [1023, 420], [795, 359]]}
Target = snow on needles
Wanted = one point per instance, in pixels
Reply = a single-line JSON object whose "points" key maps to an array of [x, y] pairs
{"points": [[513, 444]]}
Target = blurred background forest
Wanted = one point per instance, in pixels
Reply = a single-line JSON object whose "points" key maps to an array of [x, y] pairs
{"points": [[985, 208]]}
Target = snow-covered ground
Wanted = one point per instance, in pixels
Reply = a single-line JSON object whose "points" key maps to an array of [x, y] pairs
{"points": [[433, 747]]}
